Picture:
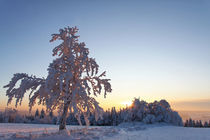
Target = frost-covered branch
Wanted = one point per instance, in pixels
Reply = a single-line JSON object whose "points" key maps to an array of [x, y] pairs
{"points": [[26, 83]]}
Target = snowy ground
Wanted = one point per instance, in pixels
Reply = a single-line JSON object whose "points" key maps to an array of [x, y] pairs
{"points": [[126, 131]]}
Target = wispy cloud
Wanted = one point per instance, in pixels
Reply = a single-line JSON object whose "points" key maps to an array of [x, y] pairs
{"points": [[192, 105]]}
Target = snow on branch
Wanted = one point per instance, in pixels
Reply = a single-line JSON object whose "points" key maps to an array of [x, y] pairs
{"points": [[27, 83]]}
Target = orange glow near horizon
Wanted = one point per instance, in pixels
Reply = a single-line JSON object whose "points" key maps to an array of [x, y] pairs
{"points": [[127, 103], [112, 101]]}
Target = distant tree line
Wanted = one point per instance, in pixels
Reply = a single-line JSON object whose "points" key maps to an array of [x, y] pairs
{"points": [[196, 123], [140, 111], [12, 116]]}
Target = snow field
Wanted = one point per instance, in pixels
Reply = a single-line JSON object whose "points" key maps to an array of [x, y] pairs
{"points": [[125, 131]]}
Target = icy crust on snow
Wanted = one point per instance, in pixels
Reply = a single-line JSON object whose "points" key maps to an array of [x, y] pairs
{"points": [[125, 131]]}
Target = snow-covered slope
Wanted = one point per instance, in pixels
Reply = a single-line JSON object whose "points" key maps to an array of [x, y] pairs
{"points": [[162, 132], [126, 131]]}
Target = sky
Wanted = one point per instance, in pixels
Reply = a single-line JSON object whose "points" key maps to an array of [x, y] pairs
{"points": [[150, 49]]}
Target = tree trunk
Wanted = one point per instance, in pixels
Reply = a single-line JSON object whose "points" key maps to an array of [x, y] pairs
{"points": [[64, 116]]}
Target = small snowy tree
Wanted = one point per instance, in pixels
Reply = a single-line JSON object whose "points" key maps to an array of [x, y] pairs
{"points": [[72, 78], [42, 114], [37, 113], [51, 114], [197, 124], [205, 124], [209, 124], [190, 123], [194, 123], [200, 123], [186, 124], [114, 116]]}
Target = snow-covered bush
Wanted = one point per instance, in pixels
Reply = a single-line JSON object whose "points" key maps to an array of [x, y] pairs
{"points": [[149, 119], [150, 112], [176, 119]]}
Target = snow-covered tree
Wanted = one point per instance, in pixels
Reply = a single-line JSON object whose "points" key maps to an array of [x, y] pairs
{"points": [[51, 115], [37, 113], [209, 124], [1, 117], [197, 124], [194, 124], [114, 116], [200, 123], [138, 109], [10, 115], [72, 78], [205, 124], [186, 124], [42, 114]]}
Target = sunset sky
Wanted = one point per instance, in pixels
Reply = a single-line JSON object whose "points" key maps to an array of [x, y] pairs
{"points": [[150, 49]]}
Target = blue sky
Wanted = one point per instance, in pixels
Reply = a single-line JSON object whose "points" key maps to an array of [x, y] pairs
{"points": [[150, 49]]}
